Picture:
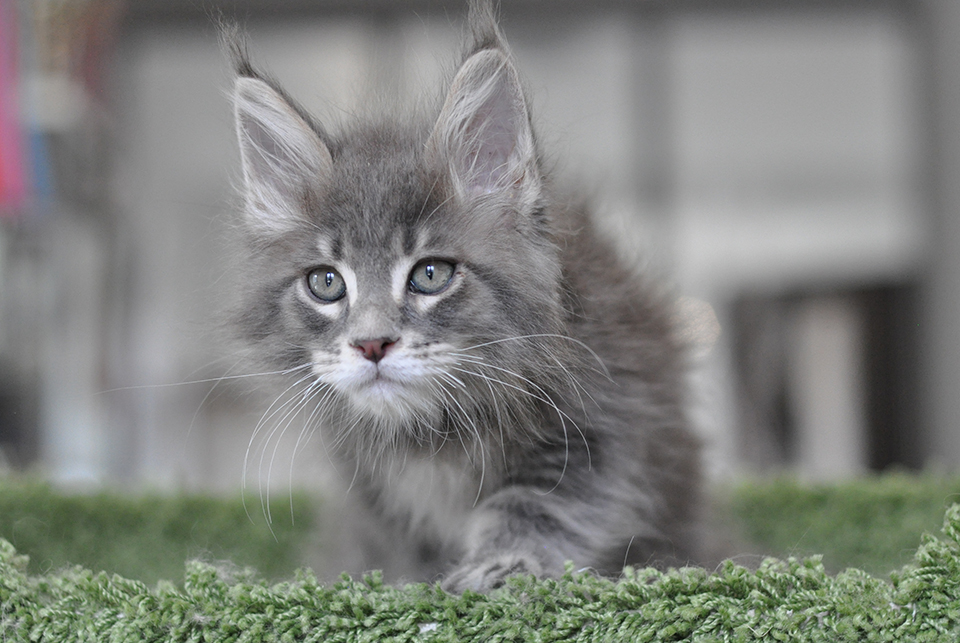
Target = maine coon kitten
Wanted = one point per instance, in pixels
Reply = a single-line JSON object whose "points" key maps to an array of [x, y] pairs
{"points": [[505, 395]]}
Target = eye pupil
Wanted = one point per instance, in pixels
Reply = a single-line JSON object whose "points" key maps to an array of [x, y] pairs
{"points": [[328, 279], [429, 270]]}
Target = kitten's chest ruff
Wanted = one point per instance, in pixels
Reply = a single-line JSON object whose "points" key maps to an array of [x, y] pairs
{"points": [[432, 495]]}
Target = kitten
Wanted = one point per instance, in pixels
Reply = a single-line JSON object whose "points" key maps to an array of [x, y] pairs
{"points": [[505, 395]]}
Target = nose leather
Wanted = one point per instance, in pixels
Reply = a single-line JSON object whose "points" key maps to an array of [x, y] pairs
{"points": [[374, 349]]}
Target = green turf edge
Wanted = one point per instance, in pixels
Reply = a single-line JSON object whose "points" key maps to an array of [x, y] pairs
{"points": [[791, 600]]}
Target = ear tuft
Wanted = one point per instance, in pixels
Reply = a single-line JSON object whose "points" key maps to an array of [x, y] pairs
{"points": [[484, 29], [233, 42]]}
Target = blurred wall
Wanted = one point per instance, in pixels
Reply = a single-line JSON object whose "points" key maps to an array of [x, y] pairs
{"points": [[774, 159]]}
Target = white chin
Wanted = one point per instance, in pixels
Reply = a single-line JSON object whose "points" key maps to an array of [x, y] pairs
{"points": [[391, 402]]}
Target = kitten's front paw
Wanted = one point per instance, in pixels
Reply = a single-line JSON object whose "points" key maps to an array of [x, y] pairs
{"points": [[489, 573]]}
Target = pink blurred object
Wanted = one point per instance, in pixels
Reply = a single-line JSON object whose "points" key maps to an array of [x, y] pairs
{"points": [[13, 179]]}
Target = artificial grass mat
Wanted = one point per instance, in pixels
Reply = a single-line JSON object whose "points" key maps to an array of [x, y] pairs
{"points": [[788, 600], [781, 601]]}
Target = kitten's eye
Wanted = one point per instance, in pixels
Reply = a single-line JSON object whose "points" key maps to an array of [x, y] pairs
{"points": [[326, 284], [431, 276]]}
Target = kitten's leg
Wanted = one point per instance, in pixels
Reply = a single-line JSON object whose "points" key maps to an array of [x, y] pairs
{"points": [[522, 530]]}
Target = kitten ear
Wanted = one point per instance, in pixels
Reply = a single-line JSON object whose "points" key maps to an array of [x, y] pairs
{"points": [[483, 132], [280, 154]]}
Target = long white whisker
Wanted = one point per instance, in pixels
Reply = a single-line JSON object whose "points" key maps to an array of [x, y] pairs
{"points": [[285, 422], [343, 434], [306, 433], [208, 380], [443, 390], [496, 409], [479, 442], [574, 340], [546, 399], [271, 411], [577, 387], [320, 405], [267, 415], [196, 414], [452, 379], [305, 396], [356, 471]]}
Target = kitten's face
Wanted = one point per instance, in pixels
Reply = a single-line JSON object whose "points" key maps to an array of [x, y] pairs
{"points": [[386, 294], [395, 290], [413, 275]]}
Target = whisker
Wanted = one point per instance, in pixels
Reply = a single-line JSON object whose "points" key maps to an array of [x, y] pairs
{"points": [[452, 379], [266, 417], [496, 409], [314, 414], [196, 414], [356, 471], [209, 380], [577, 387], [574, 340], [479, 442], [269, 413], [285, 422], [305, 396], [546, 399]]}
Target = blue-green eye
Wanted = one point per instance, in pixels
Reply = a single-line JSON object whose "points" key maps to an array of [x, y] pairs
{"points": [[431, 276], [326, 284]]}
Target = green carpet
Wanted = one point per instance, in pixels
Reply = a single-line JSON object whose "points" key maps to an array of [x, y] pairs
{"points": [[791, 600]]}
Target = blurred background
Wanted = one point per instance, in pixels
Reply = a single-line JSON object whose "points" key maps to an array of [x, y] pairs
{"points": [[795, 164]]}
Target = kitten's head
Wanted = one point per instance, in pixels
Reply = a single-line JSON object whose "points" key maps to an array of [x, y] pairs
{"points": [[407, 272]]}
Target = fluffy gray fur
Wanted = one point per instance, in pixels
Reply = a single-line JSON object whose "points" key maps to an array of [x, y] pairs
{"points": [[529, 412]]}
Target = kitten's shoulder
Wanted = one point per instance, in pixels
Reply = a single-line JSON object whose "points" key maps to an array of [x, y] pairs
{"points": [[624, 314]]}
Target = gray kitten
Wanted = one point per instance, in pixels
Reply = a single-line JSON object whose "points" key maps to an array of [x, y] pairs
{"points": [[505, 395]]}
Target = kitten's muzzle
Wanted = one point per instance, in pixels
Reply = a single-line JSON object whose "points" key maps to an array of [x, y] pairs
{"points": [[374, 349]]}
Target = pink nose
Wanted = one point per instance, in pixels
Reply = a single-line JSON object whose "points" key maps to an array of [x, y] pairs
{"points": [[374, 349]]}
